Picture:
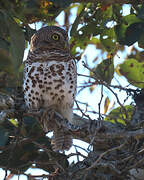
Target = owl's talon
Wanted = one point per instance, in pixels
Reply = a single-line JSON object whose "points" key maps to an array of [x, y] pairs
{"points": [[33, 112], [65, 123]]}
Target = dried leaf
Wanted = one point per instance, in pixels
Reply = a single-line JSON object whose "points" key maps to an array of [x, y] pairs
{"points": [[106, 105]]}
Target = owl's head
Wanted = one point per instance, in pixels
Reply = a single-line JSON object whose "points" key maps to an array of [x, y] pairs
{"points": [[50, 37]]}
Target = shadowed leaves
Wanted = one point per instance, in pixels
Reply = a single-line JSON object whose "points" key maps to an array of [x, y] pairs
{"points": [[129, 30], [133, 71], [118, 115], [104, 71]]}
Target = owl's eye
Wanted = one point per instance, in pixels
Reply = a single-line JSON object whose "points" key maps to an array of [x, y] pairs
{"points": [[55, 37]]}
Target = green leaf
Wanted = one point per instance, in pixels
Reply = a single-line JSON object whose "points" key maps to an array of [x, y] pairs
{"points": [[17, 41], [105, 70], [80, 7], [3, 26], [5, 61], [129, 30], [21, 68], [107, 14], [117, 11], [118, 115], [77, 42], [62, 3], [141, 11], [7, 74], [108, 39], [14, 122], [90, 29], [31, 127], [3, 136], [141, 41], [133, 71], [20, 158], [133, 33], [4, 44], [73, 31]]}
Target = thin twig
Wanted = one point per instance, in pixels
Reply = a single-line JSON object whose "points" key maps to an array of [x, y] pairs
{"points": [[104, 153], [75, 154]]}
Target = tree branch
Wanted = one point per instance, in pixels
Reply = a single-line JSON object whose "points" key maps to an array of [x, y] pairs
{"points": [[110, 2]]}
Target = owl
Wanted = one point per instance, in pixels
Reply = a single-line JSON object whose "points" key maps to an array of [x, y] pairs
{"points": [[50, 80]]}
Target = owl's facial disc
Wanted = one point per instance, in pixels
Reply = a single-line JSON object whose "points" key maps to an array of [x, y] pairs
{"points": [[50, 38], [54, 41]]}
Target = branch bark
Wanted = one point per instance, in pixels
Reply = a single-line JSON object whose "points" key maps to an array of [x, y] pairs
{"points": [[110, 2]]}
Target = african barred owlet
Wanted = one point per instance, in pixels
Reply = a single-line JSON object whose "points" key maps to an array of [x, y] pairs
{"points": [[50, 79]]}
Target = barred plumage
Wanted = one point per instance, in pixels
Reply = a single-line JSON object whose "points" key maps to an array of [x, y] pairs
{"points": [[62, 139], [50, 79]]}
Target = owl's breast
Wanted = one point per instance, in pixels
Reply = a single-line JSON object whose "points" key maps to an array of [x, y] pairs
{"points": [[50, 83], [61, 77]]}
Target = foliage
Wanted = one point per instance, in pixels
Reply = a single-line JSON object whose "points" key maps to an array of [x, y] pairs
{"points": [[118, 115], [104, 70], [97, 23], [133, 71]]}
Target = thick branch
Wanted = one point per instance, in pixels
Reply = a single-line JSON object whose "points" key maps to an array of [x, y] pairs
{"points": [[109, 2]]}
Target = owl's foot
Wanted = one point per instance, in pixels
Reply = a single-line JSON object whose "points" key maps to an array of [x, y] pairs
{"points": [[42, 113], [61, 121], [47, 119], [34, 112], [50, 117]]}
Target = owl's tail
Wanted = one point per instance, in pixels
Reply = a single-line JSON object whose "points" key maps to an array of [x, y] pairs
{"points": [[62, 140]]}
